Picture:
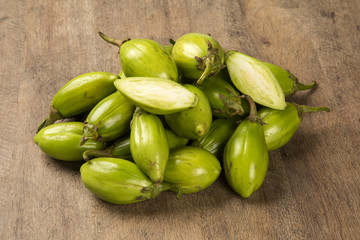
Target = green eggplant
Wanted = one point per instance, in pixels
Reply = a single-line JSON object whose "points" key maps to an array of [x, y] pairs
{"points": [[192, 169], [121, 147], [119, 181], [198, 56], [156, 95], [215, 140], [251, 77], [144, 58], [148, 144], [192, 123], [109, 119], [61, 141], [246, 157], [281, 125], [80, 95], [224, 100], [288, 82]]}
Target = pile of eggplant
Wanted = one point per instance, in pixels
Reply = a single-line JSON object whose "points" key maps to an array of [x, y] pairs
{"points": [[172, 119]]}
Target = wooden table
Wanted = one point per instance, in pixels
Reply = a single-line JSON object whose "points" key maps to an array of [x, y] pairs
{"points": [[312, 187]]}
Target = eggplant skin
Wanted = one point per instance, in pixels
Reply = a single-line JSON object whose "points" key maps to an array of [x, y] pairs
{"points": [[281, 125], [82, 93], [246, 158], [62, 141], [147, 58], [117, 181], [192, 169]]}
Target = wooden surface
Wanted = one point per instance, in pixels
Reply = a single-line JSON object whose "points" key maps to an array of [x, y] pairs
{"points": [[312, 187]]}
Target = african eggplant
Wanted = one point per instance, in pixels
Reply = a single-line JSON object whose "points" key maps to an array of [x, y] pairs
{"points": [[281, 125], [246, 157], [119, 181], [156, 95], [251, 77], [148, 144], [62, 141], [192, 169], [144, 58], [288, 82], [80, 95], [109, 119], [192, 123], [198, 56]]}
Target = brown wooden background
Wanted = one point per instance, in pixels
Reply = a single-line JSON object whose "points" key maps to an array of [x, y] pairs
{"points": [[312, 187]]}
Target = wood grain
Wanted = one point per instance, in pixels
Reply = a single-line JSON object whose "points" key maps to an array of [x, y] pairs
{"points": [[311, 190]]}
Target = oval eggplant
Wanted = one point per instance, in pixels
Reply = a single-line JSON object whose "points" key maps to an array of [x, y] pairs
{"points": [[224, 100], [80, 95], [62, 141], [281, 125], [246, 157], [192, 169], [288, 82], [198, 56], [215, 140], [109, 119], [148, 144], [156, 95], [119, 181], [192, 123], [144, 58], [251, 77]]}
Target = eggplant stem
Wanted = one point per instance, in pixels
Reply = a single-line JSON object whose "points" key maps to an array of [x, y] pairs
{"points": [[90, 154], [108, 39], [53, 116], [301, 87]]}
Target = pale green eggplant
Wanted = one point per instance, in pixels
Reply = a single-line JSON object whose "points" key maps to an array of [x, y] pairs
{"points": [[156, 95], [119, 181], [62, 141], [192, 169], [148, 144], [215, 140], [281, 125], [109, 119], [80, 95], [192, 123], [251, 77], [288, 82], [246, 158], [121, 147], [198, 56], [224, 100], [144, 58]]}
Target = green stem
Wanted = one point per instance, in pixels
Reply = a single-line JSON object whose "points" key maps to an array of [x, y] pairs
{"points": [[90, 154], [253, 117], [301, 87], [54, 115], [232, 104], [113, 41], [302, 109], [209, 65]]}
